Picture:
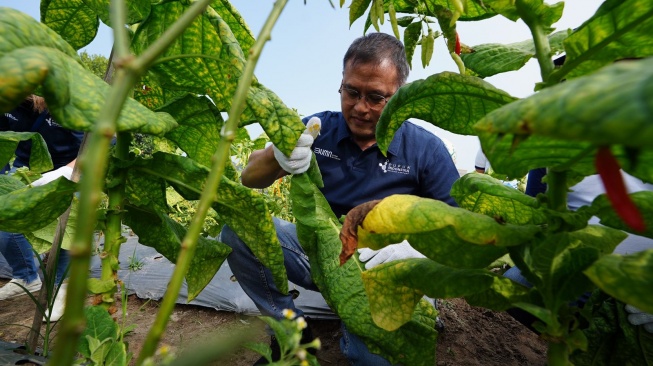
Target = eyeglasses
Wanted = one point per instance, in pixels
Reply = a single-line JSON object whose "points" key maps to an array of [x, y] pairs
{"points": [[352, 96]]}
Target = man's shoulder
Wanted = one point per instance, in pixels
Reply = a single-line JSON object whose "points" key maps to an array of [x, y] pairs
{"points": [[416, 133], [327, 117]]}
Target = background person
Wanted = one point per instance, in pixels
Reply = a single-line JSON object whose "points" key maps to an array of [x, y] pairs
{"points": [[582, 194], [353, 170], [63, 145]]}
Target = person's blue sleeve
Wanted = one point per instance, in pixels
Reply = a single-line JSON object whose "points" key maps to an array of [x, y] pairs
{"points": [[534, 184], [439, 175]]}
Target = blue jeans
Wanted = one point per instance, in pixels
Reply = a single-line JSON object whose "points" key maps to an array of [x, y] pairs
{"points": [[20, 256], [256, 280]]}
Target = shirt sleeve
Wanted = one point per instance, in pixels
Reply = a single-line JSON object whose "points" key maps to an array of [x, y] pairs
{"points": [[438, 175], [481, 161], [534, 184]]}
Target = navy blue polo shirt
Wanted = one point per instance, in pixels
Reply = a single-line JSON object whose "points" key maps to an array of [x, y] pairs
{"points": [[63, 144], [418, 163]]}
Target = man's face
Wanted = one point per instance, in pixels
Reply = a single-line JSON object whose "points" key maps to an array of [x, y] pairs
{"points": [[369, 81]]}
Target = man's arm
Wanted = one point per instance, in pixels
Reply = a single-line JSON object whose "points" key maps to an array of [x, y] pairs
{"points": [[267, 165], [262, 169]]}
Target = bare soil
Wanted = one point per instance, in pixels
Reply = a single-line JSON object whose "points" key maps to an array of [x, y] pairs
{"points": [[472, 336]]}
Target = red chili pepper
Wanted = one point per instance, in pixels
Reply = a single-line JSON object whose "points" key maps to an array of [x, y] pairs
{"points": [[610, 172], [457, 48]]}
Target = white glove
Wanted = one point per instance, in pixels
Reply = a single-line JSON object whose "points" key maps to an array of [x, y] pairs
{"points": [[300, 158], [64, 171], [390, 253], [638, 317]]}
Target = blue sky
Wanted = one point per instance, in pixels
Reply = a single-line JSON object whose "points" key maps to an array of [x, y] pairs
{"points": [[302, 63]]}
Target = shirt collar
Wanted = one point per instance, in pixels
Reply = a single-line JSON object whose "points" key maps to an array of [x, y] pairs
{"points": [[395, 144]]}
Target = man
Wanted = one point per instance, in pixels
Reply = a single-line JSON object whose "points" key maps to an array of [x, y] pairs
{"points": [[353, 170]]}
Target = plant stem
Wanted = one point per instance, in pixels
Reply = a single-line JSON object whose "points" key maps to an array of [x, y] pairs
{"points": [[557, 189], [113, 236], [93, 164], [209, 193], [557, 354], [540, 39], [557, 185]]}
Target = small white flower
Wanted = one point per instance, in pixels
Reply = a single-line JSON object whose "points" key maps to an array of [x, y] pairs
{"points": [[301, 323], [288, 314]]}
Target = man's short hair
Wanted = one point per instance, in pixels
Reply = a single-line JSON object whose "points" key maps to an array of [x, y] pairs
{"points": [[376, 48]]}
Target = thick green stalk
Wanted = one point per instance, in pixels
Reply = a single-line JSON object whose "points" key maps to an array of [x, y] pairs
{"points": [[113, 238], [557, 185], [557, 354], [540, 39], [209, 193], [94, 165], [557, 189]]}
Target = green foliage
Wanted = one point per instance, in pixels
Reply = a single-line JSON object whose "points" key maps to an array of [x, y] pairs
{"points": [[97, 64], [174, 116], [99, 343], [560, 127], [288, 333], [342, 286]]}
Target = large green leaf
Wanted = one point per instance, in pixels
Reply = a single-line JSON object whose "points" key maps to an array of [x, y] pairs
{"points": [[149, 92], [198, 133], [611, 106], [282, 124], [146, 191], [39, 159], [72, 19], [627, 278], [30, 209], [619, 29], [554, 264], [483, 194], [537, 12], [494, 58], [411, 36], [447, 100], [41, 239], [236, 23], [342, 286], [243, 209], [9, 183], [612, 340], [19, 30], [207, 59], [166, 235], [474, 10], [449, 235], [74, 95], [394, 288], [101, 331], [356, 9], [644, 202], [503, 7], [136, 10]]}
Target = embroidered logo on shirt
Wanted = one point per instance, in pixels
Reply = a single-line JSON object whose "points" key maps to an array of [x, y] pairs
{"points": [[388, 167], [52, 123], [10, 116], [327, 153]]}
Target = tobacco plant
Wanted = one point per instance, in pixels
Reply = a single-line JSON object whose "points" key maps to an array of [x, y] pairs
{"points": [[602, 111], [155, 91]]}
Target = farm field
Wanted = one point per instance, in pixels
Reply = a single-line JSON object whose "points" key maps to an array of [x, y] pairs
{"points": [[472, 336]]}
